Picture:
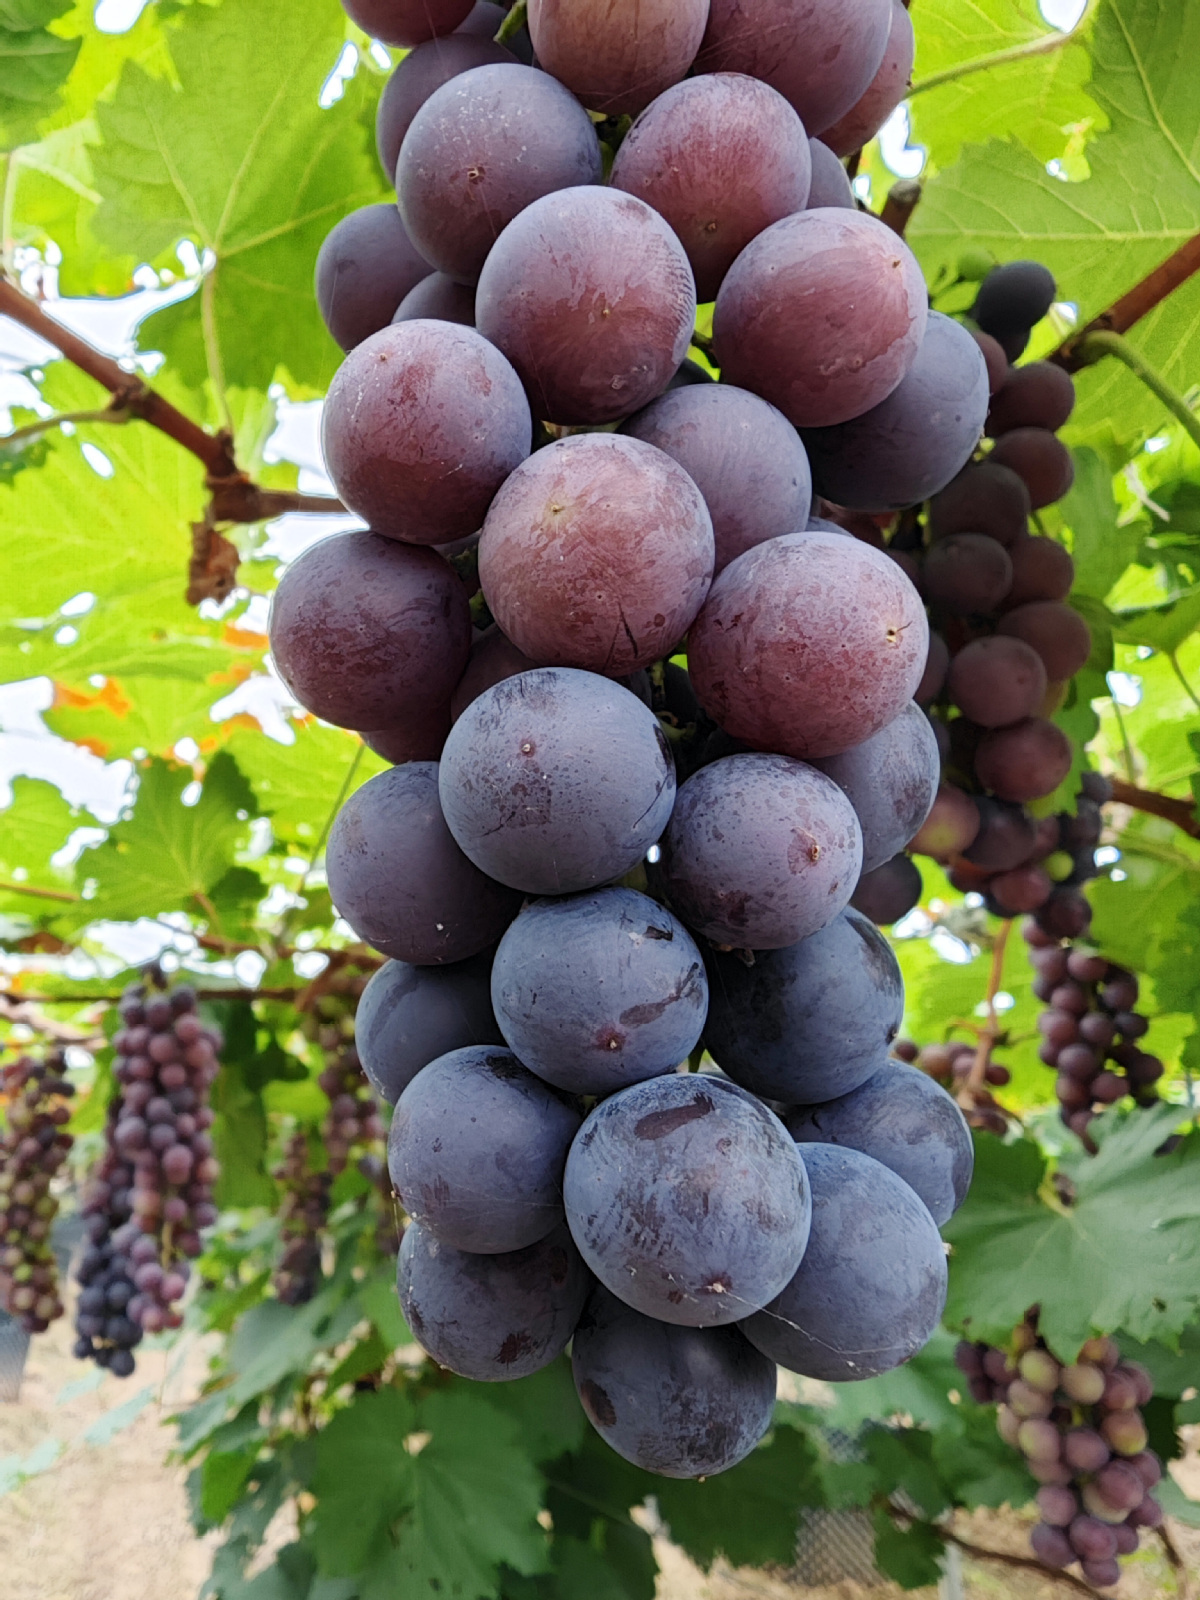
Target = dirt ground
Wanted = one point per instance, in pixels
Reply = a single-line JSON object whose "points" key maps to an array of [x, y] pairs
{"points": [[109, 1521]]}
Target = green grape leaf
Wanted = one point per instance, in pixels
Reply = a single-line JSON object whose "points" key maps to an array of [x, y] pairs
{"points": [[1097, 235], [1033, 100], [123, 540], [980, 1468], [1176, 1503], [258, 185], [34, 826], [1101, 547], [298, 784], [34, 64], [544, 1408], [749, 1513], [911, 1555], [1124, 1254], [919, 1389], [169, 856], [426, 1499]]}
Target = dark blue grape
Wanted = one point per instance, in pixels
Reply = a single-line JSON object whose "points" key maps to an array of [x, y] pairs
{"points": [[760, 851], [556, 781], [908, 1122], [599, 991], [890, 892], [477, 1148], [871, 1287], [120, 1363], [682, 1402], [891, 780], [811, 1022], [399, 879], [408, 1016], [687, 1199], [491, 1317]]}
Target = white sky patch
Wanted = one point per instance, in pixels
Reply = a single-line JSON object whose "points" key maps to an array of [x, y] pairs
{"points": [[1062, 14], [118, 16], [1125, 688], [334, 86], [905, 160], [265, 699], [950, 947], [97, 460]]}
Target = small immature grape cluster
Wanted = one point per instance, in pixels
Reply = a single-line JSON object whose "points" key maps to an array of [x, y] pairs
{"points": [[953, 1066], [1080, 1429], [152, 1193], [33, 1148], [302, 1214], [1090, 1029]]}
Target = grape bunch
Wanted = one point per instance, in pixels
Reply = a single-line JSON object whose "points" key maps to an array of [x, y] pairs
{"points": [[302, 1215], [588, 863], [1090, 1029], [1083, 1438], [953, 1065], [152, 1193], [33, 1148]]}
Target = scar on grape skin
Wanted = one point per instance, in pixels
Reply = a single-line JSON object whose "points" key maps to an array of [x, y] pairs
{"points": [[658, 1124], [597, 1404]]}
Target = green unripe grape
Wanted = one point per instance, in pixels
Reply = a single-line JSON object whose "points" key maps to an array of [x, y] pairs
{"points": [[1059, 866], [1039, 1368], [1083, 1382], [1125, 1432], [1026, 1401], [1039, 1440], [1008, 1425]]}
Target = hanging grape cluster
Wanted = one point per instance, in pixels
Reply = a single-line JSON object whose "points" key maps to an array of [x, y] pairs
{"points": [[953, 1065], [1090, 1029], [152, 1193], [1084, 1440], [33, 1149], [303, 1210]]}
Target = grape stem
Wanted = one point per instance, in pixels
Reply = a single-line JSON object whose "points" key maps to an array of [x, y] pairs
{"points": [[977, 1077], [513, 22], [235, 497], [978, 1552], [900, 204], [1093, 347], [1181, 812], [1135, 304], [1046, 44]]}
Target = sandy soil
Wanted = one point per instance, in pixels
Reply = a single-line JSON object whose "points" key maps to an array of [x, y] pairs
{"points": [[109, 1522]]}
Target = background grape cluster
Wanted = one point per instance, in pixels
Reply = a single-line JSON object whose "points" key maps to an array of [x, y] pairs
{"points": [[1080, 1429], [33, 1149], [152, 1192]]}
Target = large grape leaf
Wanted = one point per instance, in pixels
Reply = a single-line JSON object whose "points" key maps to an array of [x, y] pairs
{"points": [[299, 784], [235, 153], [34, 826], [172, 856], [1124, 1254], [34, 63], [437, 1517], [123, 538], [1033, 100], [1102, 235]]}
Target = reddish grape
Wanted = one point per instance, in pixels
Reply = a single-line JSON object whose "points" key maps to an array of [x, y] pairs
{"points": [[422, 424], [597, 553], [1059, 635], [721, 157], [1025, 761], [808, 644], [482, 148], [780, 327], [996, 681], [590, 296], [617, 55], [1042, 569], [883, 94], [407, 22], [1038, 395], [830, 184], [365, 631], [967, 573], [419, 74], [440, 299], [365, 267], [985, 498], [821, 55], [742, 454], [1042, 462]]}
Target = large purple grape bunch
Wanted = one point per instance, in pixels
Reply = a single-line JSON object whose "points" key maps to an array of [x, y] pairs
{"points": [[1080, 1429], [1090, 1029], [33, 1148], [588, 863], [152, 1194]]}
